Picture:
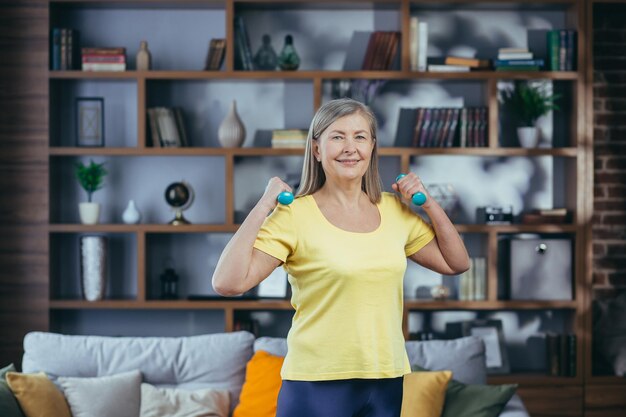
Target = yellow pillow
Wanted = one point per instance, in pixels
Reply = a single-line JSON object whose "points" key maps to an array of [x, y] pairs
{"points": [[259, 394], [424, 393], [37, 395]]}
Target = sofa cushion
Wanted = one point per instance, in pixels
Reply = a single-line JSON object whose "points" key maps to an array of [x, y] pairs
{"points": [[465, 357], [8, 403], [424, 393], [37, 395], [259, 395], [207, 361], [116, 395], [172, 402], [474, 400]]}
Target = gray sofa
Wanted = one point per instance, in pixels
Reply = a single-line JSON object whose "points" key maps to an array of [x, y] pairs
{"points": [[217, 360]]}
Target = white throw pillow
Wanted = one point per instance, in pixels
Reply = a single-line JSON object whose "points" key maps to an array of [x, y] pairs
{"points": [[116, 395], [172, 402]]}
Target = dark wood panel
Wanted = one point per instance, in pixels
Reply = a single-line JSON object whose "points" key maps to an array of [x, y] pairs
{"points": [[605, 401], [553, 401], [24, 288]]}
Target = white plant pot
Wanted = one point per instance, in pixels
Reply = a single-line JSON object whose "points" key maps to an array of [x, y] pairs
{"points": [[528, 136], [89, 212]]}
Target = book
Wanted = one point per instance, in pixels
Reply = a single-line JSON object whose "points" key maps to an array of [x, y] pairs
{"points": [[515, 55], [448, 68], [414, 42], [519, 62], [512, 50], [422, 46], [470, 62], [103, 66]]}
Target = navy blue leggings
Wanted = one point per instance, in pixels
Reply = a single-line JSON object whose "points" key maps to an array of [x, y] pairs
{"points": [[341, 398]]}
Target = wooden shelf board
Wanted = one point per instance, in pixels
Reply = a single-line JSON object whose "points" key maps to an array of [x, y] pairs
{"points": [[300, 75], [532, 379], [171, 304], [488, 305], [285, 305], [145, 228], [383, 151], [606, 380]]}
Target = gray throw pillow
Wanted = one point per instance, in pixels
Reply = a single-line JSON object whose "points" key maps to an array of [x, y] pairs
{"points": [[116, 395], [8, 404], [172, 402]]}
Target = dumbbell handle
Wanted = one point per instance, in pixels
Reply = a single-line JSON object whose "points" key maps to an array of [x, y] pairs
{"points": [[285, 198], [418, 198]]}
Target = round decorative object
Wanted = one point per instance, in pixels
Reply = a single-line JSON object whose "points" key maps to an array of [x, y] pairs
{"points": [[288, 60], [232, 132], [440, 292], [179, 195]]}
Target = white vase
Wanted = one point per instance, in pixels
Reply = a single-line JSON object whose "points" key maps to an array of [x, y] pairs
{"points": [[131, 215], [89, 212], [528, 136], [231, 132]]}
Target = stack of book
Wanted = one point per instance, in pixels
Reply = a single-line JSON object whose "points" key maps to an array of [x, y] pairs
{"points": [[457, 64], [448, 127], [562, 49], [167, 128], [103, 59], [381, 51], [289, 138], [561, 354], [547, 216], [517, 59], [215, 57], [473, 282], [64, 53]]}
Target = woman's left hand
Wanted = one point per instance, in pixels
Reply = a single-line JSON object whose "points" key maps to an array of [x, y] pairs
{"points": [[409, 185]]}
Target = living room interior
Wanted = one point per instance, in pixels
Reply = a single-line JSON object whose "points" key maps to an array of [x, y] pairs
{"points": [[138, 135]]}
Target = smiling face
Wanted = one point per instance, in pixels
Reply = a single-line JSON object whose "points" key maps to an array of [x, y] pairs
{"points": [[345, 148]]}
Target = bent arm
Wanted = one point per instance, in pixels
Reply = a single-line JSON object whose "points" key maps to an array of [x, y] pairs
{"points": [[241, 266], [446, 253]]}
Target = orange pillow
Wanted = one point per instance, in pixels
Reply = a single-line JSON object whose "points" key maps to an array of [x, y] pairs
{"points": [[37, 395], [259, 394]]}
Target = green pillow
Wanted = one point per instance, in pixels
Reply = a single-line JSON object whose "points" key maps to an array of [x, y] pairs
{"points": [[465, 400], [8, 404]]}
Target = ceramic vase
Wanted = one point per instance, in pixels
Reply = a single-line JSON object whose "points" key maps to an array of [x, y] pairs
{"points": [[232, 132], [144, 58], [93, 259], [131, 215], [89, 212], [528, 136]]}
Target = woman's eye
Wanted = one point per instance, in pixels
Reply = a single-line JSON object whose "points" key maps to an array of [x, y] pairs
{"points": [[360, 137], [337, 137]]}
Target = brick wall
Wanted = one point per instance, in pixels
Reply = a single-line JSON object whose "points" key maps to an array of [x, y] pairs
{"points": [[609, 135]]}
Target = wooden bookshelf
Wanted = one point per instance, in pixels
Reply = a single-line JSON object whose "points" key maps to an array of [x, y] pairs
{"points": [[578, 154]]}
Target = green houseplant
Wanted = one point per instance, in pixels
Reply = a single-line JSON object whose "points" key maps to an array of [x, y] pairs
{"points": [[90, 177], [527, 103]]}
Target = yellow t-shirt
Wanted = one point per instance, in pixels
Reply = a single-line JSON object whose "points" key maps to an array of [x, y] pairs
{"points": [[347, 289]]}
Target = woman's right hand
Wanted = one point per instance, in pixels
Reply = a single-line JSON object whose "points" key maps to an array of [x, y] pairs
{"points": [[274, 187]]}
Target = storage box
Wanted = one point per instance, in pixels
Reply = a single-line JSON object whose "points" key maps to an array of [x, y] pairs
{"points": [[541, 269]]}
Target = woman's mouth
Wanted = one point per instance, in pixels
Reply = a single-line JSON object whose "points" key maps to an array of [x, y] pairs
{"points": [[348, 162]]}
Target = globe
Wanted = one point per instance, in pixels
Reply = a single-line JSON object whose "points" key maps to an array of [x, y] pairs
{"points": [[177, 194]]}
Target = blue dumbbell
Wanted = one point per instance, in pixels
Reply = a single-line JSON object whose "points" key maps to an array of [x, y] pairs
{"points": [[418, 198], [285, 198]]}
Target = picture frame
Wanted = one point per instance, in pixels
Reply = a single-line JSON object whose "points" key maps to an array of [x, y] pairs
{"points": [[276, 285], [89, 121], [490, 331]]}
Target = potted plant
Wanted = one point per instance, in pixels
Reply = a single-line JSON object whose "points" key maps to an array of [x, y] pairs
{"points": [[528, 103], [90, 178]]}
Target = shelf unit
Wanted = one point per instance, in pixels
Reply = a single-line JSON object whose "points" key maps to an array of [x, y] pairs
{"points": [[577, 154]]}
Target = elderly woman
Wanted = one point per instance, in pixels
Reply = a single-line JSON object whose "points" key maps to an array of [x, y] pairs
{"points": [[344, 244]]}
